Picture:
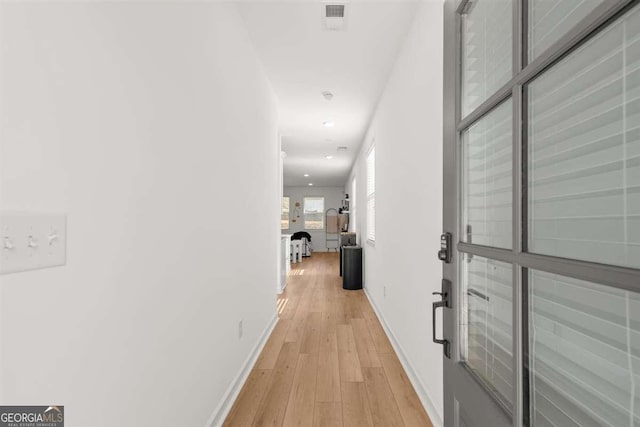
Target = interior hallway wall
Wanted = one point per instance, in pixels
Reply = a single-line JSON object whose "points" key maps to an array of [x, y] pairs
{"points": [[133, 118], [401, 267], [332, 199]]}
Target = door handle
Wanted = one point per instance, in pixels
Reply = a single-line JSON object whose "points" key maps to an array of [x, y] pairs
{"points": [[444, 303]]}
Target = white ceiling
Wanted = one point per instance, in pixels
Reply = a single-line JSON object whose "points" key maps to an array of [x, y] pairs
{"points": [[302, 59]]}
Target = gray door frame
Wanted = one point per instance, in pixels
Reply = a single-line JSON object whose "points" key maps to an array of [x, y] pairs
{"points": [[461, 387]]}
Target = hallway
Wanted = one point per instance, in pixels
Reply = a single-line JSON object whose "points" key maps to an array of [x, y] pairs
{"points": [[328, 361], [113, 111], [158, 158]]}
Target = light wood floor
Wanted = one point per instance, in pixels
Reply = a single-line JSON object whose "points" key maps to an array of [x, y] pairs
{"points": [[328, 361]]}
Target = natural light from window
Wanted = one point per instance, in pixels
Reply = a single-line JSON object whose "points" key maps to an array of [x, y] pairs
{"points": [[284, 221], [371, 195], [314, 213]]}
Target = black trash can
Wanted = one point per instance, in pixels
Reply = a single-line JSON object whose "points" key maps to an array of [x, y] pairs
{"points": [[351, 267]]}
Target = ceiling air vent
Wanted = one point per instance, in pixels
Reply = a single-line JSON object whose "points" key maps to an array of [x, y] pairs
{"points": [[334, 10], [334, 16]]}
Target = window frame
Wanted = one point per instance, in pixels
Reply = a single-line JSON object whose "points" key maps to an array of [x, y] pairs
{"points": [[371, 194], [288, 213], [524, 72], [304, 212], [352, 206]]}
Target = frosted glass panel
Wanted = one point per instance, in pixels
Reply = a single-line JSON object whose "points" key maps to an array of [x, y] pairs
{"points": [[487, 179], [487, 322], [549, 20], [584, 151], [584, 353], [486, 50]]}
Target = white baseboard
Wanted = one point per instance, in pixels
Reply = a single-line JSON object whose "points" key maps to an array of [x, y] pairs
{"points": [[421, 390], [284, 287], [220, 414]]}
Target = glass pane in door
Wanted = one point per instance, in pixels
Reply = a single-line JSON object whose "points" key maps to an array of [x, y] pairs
{"points": [[486, 50], [584, 150], [487, 323], [549, 20], [584, 347], [487, 179]]}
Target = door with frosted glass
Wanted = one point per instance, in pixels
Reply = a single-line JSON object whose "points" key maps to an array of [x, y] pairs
{"points": [[542, 199]]}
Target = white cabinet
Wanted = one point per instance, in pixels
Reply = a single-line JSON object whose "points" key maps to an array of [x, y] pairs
{"points": [[286, 259]]}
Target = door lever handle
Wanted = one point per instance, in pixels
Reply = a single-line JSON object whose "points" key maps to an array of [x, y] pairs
{"points": [[444, 302], [444, 342]]}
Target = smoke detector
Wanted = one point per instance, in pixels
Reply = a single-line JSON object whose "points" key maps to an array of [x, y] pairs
{"points": [[342, 148], [334, 16], [327, 95]]}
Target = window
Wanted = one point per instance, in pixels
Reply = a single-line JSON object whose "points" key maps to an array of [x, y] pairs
{"points": [[352, 207], [487, 162], [371, 195], [284, 219], [550, 20], [488, 313], [486, 45], [584, 151], [551, 142], [583, 352], [314, 213]]}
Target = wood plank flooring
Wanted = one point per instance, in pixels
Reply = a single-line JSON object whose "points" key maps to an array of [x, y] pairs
{"points": [[328, 361]]}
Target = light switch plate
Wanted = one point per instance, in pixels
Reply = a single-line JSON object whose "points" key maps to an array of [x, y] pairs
{"points": [[31, 241]]}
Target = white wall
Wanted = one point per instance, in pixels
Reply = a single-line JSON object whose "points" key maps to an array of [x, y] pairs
{"points": [[132, 118], [407, 131], [332, 199]]}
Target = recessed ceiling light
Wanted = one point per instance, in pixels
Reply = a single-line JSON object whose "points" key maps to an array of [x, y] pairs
{"points": [[328, 124], [311, 184], [327, 95], [328, 157], [306, 175]]}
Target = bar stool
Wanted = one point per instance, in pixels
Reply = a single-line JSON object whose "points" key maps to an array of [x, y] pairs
{"points": [[296, 251]]}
